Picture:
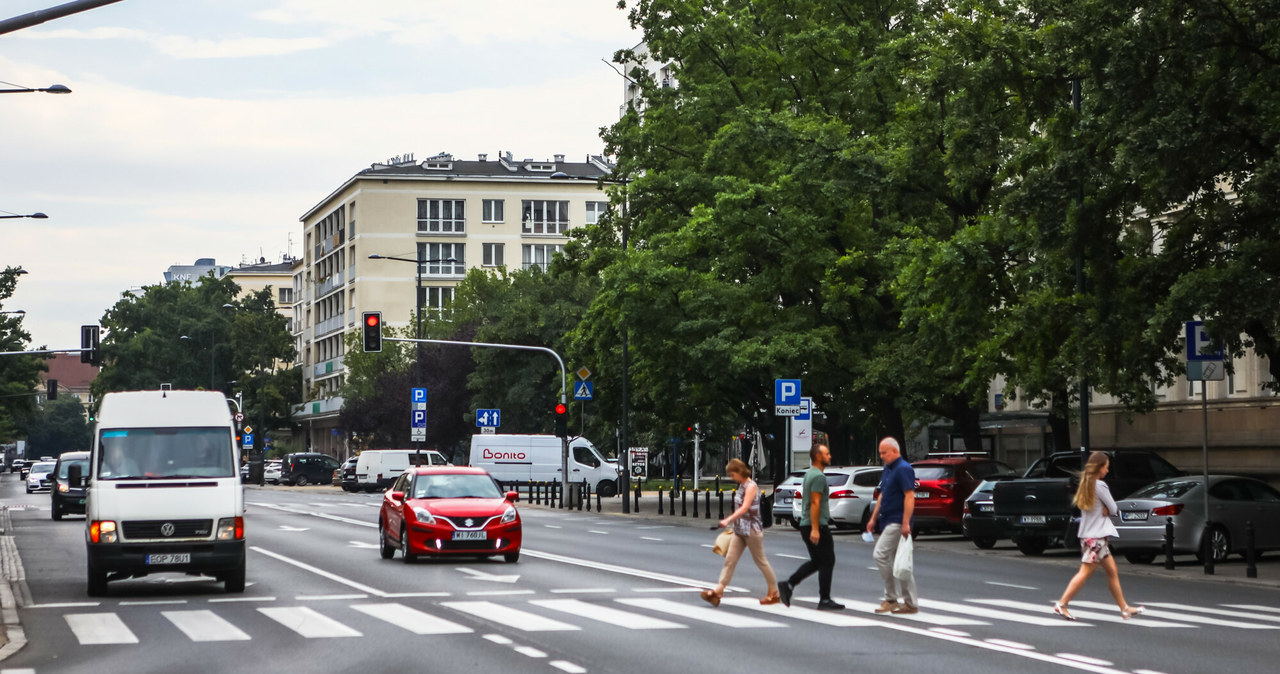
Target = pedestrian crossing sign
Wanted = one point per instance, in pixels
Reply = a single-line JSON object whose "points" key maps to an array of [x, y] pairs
{"points": [[583, 390]]}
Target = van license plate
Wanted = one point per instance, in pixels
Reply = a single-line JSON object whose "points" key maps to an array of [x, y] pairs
{"points": [[470, 535], [182, 558], [1032, 519]]}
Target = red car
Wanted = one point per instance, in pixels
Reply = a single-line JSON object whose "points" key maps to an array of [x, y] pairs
{"points": [[448, 510], [943, 484]]}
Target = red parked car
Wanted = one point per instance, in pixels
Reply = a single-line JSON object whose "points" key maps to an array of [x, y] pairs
{"points": [[448, 510], [943, 484]]}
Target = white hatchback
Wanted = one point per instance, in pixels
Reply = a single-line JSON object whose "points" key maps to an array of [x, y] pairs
{"points": [[852, 493]]}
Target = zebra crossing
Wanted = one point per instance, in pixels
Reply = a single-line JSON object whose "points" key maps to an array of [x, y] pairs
{"points": [[222, 622]]}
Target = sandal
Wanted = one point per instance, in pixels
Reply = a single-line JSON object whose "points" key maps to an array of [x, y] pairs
{"points": [[1131, 611], [711, 597], [1060, 609], [771, 598]]}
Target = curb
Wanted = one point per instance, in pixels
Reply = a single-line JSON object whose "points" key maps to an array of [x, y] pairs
{"points": [[14, 636]]}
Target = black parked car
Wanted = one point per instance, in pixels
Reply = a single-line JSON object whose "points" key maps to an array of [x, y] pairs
{"points": [[67, 497], [304, 468], [349, 475], [979, 524]]}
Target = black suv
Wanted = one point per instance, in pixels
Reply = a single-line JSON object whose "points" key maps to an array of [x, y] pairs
{"points": [[67, 497], [349, 475], [304, 468]]}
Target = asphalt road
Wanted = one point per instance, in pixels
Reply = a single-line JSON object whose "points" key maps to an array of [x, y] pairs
{"points": [[595, 593]]}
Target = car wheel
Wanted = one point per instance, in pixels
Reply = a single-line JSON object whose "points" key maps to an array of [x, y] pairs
{"points": [[1031, 547], [233, 581], [985, 542], [1219, 543], [408, 557], [607, 489], [301, 481], [97, 581], [1140, 557], [56, 512], [511, 557], [795, 523], [386, 549]]}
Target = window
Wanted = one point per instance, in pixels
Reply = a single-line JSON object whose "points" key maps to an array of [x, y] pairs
{"points": [[492, 210], [439, 252], [492, 255], [584, 456], [286, 295], [595, 209], [435, 298], [441, 216], [539, 255], [544, 217]]}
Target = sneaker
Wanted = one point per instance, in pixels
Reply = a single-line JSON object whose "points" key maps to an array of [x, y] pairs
{"points": [[828, 605], [887, 607], [784, 591], [903, 609]]}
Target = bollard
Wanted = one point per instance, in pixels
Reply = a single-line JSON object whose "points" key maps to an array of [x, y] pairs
{"points": [[706, 501], [637, 508], [1168, 543], [556, 496], [1250, 553], [659, 500], [598, 500], [1206, 547], [695, 503], [720, 497], [582, 494], [684, 503], [717, 483]]}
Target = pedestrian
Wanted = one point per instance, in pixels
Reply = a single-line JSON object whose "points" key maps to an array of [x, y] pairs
{"points": [[748, 532], [1093, 498], [892, 519], [815, 527]]}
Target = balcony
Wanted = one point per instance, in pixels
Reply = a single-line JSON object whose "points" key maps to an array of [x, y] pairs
{"points": [[312, 409], [329, 326], [328, 367], [329, 284]]}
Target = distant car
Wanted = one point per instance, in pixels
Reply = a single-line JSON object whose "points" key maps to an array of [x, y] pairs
{"points": [[38, 476], [25, 467], [304, 468], [448, 510], [943, 484], [979, 523], [271, 471], [67, 497], [784, 494], [851, 490], [1233, 501], [244, 472], [17, 466], [348, 474]]}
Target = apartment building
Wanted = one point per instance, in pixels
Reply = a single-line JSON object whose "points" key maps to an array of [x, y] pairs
{"points": [[457, 213]]}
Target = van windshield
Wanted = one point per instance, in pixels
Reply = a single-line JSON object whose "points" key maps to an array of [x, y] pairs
{"points": [[165, 453]]}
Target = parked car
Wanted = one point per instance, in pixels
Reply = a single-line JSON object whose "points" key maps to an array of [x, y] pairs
{"points": [[271, 471], [244, 471], [376, 469], [1233, 502], [38, 476], [851, 490], [448, 510], [783, 494], [17, 466], [65, 496], [348, 474], [304, 468], [943, 484], [979, 524]]}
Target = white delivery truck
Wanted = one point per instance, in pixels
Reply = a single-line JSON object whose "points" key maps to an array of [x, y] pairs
{"points": [[376, 469], [537, 458], [163, 494]]}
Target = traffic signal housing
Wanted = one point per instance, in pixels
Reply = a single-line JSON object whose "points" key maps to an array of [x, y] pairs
{"points": [[562, 420], [372, 331], [89, 352], [51, 389]]}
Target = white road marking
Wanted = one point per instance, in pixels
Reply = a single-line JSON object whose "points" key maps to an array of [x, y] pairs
{"points": [[157, 602], [552, 526], [1085, 614], [1215, 611], [700, 613], [980, 612], [284, 527], [511, 617], [930, 618], [397, 595], [93, 629], [28, 670], [327, 516], [204, 625], [412, 619], [499, 593], [582, 590], [323, 597], [530, 651], [1156, 613], [593, 531], [228, 600], [656, 526], [1253, 607], [665, 589], [69, 604], [1086, 659], [308, 622], [625, 570], [832, 618], [481, 575], [498, 639], [649, 538], [566, 666], [1011, 644], [604, 614], [1018, 587], [948, 631], [783, 554], [320, 572], [361, 545]]}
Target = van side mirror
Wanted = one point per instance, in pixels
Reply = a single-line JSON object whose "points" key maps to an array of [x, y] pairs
{"points": [[75, 476]]}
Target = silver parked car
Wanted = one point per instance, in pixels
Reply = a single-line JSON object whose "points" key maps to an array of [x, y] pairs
{"points": [[783, 495], [1233, 501], [851, 490]]}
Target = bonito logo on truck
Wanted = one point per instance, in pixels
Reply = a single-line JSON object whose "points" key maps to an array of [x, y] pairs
{"points": [[490, 455]]}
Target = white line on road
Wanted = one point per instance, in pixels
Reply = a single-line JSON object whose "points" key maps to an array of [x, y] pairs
{"points": [[157, 602], [319, 572], [704, 614], [930, 618], [783, 554], [1253, 607], [649, 538], [308, 622], [396, 595], [566, 666], [1086, 659], [68, 604], [327, 516], [412, 619], [552, 526], [204, 625], [498, 593], [812, 615], [1086, 614], [582, 590], [511, 617], [980, 612], [1018, 587], [613, 568], [93, 629], [605, 614], [1154, 613], [228, 600], [530, 651], [664, 589], [1011, 644], [1215, 611], [323, 597], [593, 531], [946, 630], [498, 639]]}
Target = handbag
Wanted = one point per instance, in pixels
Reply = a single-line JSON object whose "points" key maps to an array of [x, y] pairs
{"points": [[903, 563], [722, 542]]}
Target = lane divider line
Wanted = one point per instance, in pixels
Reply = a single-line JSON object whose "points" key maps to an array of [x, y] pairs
{"points": [[319, 572]]}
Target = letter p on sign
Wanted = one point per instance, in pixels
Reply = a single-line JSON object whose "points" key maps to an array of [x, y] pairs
{"points": [[786, 392]]}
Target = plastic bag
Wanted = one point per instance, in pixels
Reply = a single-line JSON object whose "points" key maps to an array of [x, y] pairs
{"points": [[903, 564], [722, 542]]}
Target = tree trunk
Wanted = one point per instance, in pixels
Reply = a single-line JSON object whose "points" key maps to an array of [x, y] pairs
{"points": [[1060, 422], [966, 416]]}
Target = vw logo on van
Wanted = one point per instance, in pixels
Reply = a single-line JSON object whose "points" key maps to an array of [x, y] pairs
{"points": [[166, 529]]}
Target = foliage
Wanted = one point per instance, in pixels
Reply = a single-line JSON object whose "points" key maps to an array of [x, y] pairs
{"points": [[19, 375], [59, 426]]}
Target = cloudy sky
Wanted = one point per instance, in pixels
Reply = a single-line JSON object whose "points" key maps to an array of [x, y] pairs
{"points": [[205, 128]]}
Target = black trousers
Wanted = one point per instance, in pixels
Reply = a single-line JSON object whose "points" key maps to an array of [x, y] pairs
{"points": [[822, 558]]}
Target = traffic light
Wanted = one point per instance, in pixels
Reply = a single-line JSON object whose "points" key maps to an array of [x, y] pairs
{"points": [[372, 331], [89, 352], [562, 420], [51, 389]]}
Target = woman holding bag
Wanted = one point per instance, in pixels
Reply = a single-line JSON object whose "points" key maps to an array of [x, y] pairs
{"points": [[748, 532]]}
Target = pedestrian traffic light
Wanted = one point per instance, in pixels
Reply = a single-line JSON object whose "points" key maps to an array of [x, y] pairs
{"points": [[372, 331], [89, 352], [51, 389], [562, 420]]}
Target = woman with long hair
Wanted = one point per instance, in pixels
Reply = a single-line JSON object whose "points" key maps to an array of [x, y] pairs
{"points": [[1093, 498], [748, 532]]}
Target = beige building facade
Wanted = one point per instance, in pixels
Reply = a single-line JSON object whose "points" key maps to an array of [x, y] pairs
{"points": [[481, 213]]}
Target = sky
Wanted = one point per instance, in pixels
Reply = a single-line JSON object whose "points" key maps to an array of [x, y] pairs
{"points": [[206, 128]]}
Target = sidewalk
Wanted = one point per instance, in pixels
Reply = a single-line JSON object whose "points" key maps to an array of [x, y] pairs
{"points": [[12, 637]]}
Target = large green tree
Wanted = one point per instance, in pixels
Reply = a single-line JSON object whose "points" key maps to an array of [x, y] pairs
{"points": [[19, 374], [59, 426]]}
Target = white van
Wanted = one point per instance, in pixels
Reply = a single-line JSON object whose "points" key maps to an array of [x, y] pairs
{"points": [[163, 492], [536, 458], [376, 469]]}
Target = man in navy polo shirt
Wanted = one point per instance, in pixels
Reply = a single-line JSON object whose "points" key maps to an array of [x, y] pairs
{"points": [[892, 518]]}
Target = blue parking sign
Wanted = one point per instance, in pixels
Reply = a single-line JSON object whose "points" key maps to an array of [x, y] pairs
{"points": [[786, 392]]}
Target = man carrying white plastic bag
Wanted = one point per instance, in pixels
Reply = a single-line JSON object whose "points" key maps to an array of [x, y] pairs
{"points": [[892, 518]]}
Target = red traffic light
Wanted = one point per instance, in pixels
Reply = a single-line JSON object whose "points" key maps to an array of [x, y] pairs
{"points": [[372, 320], [561, 409]]}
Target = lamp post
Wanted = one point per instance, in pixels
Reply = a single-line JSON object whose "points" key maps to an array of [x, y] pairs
{"points": [[6, 215], [51, 89], [212, 355], [15, 311], [257, 457], [417, 310]]}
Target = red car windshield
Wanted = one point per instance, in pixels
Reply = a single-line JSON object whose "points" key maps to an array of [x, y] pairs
{"points": [[455, 486]]}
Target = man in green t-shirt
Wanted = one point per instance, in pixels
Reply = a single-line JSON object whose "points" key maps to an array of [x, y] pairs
{"points": [[815, 526]]}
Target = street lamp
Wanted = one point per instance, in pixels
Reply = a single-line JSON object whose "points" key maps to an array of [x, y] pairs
{"points": [[51, 89], [212, 356], [258, 456], [15, 311], [6, 215]]}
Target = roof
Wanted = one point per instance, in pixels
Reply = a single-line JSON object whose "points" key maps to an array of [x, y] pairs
{"points": [[148, 409], [69, 371], [448, 470]]}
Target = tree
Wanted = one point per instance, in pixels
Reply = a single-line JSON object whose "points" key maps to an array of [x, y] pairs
{"points": [[19, 375], [59, 426]]}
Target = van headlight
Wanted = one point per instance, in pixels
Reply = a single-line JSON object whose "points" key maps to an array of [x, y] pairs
{"points": [[509, 515], [102, 531], [423, 515]]}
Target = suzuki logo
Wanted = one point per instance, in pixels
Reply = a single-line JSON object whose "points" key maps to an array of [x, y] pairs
{"points": [[166, 529], [470, 522]]}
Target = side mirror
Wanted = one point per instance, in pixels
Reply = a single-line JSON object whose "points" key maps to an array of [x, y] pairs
{"points": [[512, 496], [75, 476], [397, 496]]}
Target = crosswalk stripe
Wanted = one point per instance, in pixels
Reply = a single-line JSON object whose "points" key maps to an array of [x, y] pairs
{"points": [[511, 617], [979, 612], [308, 622], [205, 625], [412, 619], [604, 614], [928, 618], [1085, 614], [832, 618], [699, 613], [1254, 607], [1215, 611], [1156, 613], [93, 629]]}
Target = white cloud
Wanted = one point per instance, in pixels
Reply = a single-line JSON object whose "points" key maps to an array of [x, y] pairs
{"points": [[183, 47]]}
